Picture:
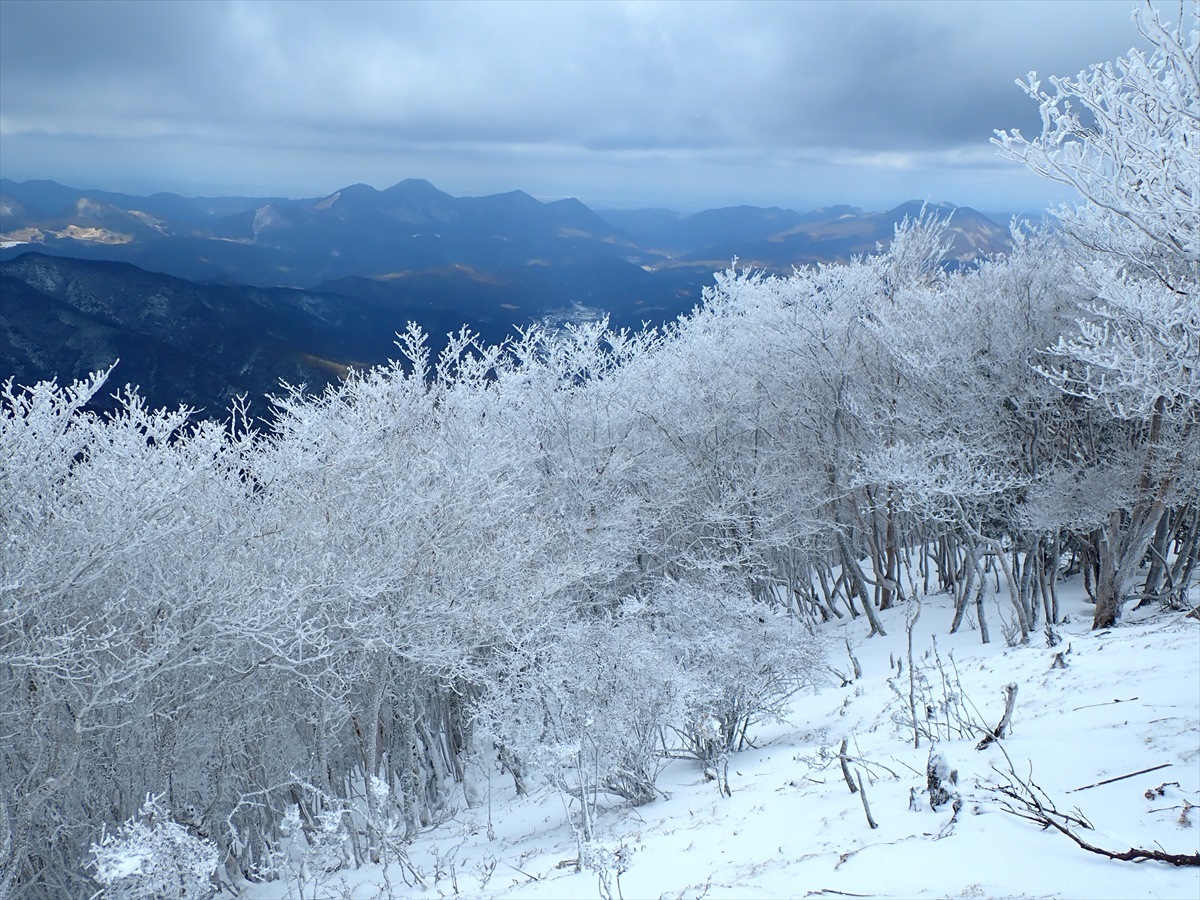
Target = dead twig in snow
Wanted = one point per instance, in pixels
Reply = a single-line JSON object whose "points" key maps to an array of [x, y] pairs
{"points": [[1108, 703], [531, 878], [1032, 806], [1118, 778]]}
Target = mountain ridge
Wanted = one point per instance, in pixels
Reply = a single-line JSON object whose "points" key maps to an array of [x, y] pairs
{"points": [[207, 298], [361, 231]]}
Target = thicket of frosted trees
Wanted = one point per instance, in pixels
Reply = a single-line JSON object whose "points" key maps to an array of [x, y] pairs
{"points": [[575, 555]]}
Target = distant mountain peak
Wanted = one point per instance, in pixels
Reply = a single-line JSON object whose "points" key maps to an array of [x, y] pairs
{"points": [[914, 207], [568, 203], [519, 196], [358, 191], [417, 190], [409, 184]]}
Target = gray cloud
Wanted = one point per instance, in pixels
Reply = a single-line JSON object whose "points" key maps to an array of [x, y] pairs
{"points": [[683, 103]]}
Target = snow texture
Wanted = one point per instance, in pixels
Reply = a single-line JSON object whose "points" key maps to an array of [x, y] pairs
{"points": [[1127, 700]]}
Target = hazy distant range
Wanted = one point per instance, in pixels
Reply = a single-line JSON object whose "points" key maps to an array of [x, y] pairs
{"points": [[205, 299]]}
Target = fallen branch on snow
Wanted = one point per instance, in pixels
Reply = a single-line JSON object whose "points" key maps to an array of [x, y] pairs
{"points": [[1034, 804], [1118, 778], [1106, 703]]}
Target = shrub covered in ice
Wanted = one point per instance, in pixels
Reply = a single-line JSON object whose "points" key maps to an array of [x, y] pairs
{"points": [[153, 857]]}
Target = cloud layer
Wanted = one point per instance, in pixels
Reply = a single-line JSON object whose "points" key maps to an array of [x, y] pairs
{"points": [[685, 104]]}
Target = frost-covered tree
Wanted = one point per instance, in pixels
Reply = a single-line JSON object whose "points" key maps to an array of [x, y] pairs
{"points": [[592, 548], [968, 402], [587, 710], [824, 388], [739, 659], [153, 857], [1126, 135], [113, 619]]}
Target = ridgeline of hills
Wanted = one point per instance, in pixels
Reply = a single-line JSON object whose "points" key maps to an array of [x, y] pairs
{"points": [[204, 299]]}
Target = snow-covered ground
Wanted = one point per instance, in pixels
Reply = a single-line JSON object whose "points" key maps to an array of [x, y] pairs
{"points": [[1128, 700]]}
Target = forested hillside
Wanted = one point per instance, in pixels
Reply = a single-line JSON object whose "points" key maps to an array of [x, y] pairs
{"points": [[578, 554]]}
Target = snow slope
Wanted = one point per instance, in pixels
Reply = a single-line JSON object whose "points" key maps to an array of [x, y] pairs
{"points": [[1128, 700]]}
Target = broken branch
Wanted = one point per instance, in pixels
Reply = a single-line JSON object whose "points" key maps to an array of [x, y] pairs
{"points": [[1043, 813], [1010, 701], [1119, 778]]}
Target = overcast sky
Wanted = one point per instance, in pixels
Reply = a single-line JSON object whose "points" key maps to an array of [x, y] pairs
{"points": [[681, 104]]}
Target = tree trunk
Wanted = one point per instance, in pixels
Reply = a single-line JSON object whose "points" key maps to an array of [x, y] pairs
{"points": [[1158, 556], [1013, 590], [1120, 551], [857, 584], [962, 587]]}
